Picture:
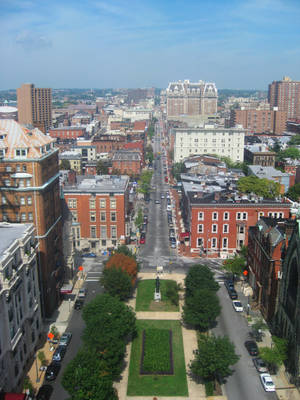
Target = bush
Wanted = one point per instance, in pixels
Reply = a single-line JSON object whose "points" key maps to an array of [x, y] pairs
{"points": [[172, 292]]}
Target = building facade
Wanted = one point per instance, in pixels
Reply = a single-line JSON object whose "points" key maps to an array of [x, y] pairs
{"points": [[209, 140], [67, 132], [127, 162], [20, 310], [35, 106], [100, 210], [29, 186], [285, 95], [257, 155]]}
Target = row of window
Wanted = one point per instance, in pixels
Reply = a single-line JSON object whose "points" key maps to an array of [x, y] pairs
{"points": [[19, 168], [23, 217], [214, 228], [72, 203], [213, 241], [240, 216], [93, 216], [19, 182], [103, 231], [22, 200]]}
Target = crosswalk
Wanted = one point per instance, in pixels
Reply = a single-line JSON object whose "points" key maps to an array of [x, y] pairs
{"points": [[93, 276]]}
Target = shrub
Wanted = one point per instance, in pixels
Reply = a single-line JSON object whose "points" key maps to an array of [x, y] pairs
{"points": [[172, 292]]}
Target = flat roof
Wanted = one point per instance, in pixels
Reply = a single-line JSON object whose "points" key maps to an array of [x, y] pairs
{"points": [[98, 184], [9, 233]]}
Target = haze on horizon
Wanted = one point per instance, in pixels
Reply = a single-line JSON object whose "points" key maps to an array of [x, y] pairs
{"points": [[143, 43]]}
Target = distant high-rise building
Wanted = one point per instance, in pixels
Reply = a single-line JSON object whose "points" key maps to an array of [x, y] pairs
{"points": [[35, 106], [285, 95], [188, 99]]}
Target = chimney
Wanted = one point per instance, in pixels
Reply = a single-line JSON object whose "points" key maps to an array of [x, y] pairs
{"points": [[217, 196]]}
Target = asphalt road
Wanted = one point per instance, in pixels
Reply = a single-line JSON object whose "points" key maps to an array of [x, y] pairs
{"points": [[244, 384]]}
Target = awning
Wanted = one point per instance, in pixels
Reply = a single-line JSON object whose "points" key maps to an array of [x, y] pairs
{"points": [[66, 289], [184, 235]]}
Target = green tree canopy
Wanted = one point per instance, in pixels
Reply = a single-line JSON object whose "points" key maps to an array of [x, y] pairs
{"points": [[64, 164], [88, 377], [177, 169], [235, 265], [294, 192], [276, 355], [291, 152], [213, 358], [123, 249], [199, 277], [149, 153], [101, 168], [139, 219], [201, 309], [295, 141], [261, 187], [144, 182], [117, 283]]}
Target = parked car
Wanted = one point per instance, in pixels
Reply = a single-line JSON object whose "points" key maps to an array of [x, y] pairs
{"points": [[65, 339], [172, 232], [260, 365], [252, 348], [146, 219], [82, 293], [89, 255], [229, 284], [169, 208], [52, 371], [142, 239], [157, 202], [44, 392], [237, 305], [162, 196], [267, 382], [232, 294], [173, 242], [59, 353], [78, 304]]}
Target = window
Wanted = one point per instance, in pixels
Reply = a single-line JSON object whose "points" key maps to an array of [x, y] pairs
{"points": [[200, 228], [7, 182], [93, 216], [102, 203], [74, 216], [200, 216], [245, 215], [103, 231], [113, 216], [30, 216], [225, 243], [113, 203], [113, 231], [214, 228], [225, 228], [199, 242], [8, 168], [238, 215], [215, 216], [72, 203], [226, 216], [242, 229], [93, 232], [102, 216], [280, 215], [23, 216], [261, 214], [18, 168], [214, 243], [92, 203], [29, 200], [21, 183], [28, 182], [22, 201], [4, 200]]}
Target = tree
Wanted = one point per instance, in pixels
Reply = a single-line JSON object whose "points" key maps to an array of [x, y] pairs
{"points": [[294, 192], [123, 249], [177, 169], [235, 265], [117, 283], [101, 168], [201, 309], [126, 263], [144, 182], [213, 358], [42, 358], [139, 219], [295, 141], [88, 377], [291, 152], [64, 164], [199, 277], [276, 355], [149, 154], [261, 187]]}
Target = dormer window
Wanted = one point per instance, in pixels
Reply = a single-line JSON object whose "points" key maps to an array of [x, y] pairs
{"points": [[21, 152]]}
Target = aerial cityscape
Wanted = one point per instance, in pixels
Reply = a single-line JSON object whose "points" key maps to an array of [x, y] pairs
{"points": [[150, 200]]}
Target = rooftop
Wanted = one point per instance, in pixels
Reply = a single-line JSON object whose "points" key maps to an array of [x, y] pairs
{"points": [[98, 184], [9, 233]]}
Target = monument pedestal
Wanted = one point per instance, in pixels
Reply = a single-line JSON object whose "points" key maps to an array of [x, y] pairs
{"points": [[157, 296]]}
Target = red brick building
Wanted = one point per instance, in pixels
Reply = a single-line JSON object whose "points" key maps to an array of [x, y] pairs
{"points": [[218, 222], [285, 95], [108, 143], [67, 132], [127, 162], [100, 209], [137, 145]]}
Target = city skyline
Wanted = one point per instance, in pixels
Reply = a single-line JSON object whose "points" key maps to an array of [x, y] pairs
{"points": [[236, 44]]}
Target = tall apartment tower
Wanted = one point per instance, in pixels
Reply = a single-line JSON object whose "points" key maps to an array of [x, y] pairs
{"points": [[29, 192], [35, 106], [285, 95]]}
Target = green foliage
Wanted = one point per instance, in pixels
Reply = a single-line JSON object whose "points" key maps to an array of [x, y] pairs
{"points": [[294, 192], [88, 377], [291, 152], [201, 309], [117, 283], [139, 219], [42, 358], [235, 265], [259, 325], [172, 292], [213, 358], [123, 249], [177, 169], [276, 148], [27, 385], [54, 331], [200, 277], [233, 164], [276, 355], [156, 350], [150, 131], [209, 388], [261, 187], [295, 141], [149, 153], [64, 164], [144, 182], [101, 168]]}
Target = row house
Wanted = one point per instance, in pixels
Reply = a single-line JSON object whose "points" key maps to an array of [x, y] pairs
{"points": [[259, 155], [108, 143], [218, 221], [127, 162], [67, 132], [100, 208], [266, 241], [74, 158], [20, 310]]}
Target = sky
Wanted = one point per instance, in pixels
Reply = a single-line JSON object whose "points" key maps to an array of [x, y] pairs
{"points": [[238, 44]]}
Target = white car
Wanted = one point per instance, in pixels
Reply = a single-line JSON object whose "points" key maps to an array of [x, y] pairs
{"points": [[267, 382], [237, 305]]}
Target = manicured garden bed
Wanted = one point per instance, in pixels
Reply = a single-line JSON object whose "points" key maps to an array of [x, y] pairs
{"points": [[157, 355], [158, 384], [145, 297]]}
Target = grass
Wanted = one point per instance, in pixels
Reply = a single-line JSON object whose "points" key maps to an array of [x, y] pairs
{"points": [[145, 297], [157, 385], [157, 356]]}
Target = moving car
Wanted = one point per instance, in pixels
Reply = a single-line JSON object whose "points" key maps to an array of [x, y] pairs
{"points": [[44, 392], [59, 353], [65, 339], [237, 305], [267, 382], [252, 348], [78, 304], [89, 255], [162, 196], [157, 202], [82, 293], [260, 365], [52, 371]]}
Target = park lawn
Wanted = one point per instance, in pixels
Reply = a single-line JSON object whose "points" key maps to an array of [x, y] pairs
{"points": [[145, 297], [157, 385]]}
